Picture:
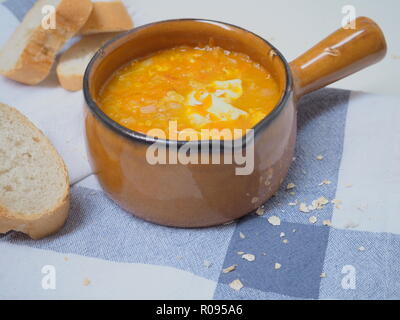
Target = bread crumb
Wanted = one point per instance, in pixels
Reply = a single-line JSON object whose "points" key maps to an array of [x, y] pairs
{"points": [[236, 285], [230, 268], [313, 219], [290, 185], [86, 282], [320, 157], [274, 220], [277, 266]]}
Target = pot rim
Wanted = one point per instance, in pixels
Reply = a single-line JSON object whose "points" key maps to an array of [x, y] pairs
{"points": [[143, 138]]}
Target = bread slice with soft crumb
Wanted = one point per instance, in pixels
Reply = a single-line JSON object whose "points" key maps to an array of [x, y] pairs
{"points": [[73, 62], [34, 185], [28, 55], [110, 16]]}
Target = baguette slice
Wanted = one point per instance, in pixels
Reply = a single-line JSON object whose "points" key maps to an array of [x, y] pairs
{"points": [[107, 17], [73, 62], [34, 185], [29, 54]]}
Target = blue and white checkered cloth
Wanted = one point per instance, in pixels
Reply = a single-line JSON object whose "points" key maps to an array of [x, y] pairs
{"points": [[105, 252]]}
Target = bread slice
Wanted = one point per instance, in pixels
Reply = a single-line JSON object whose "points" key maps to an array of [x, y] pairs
{"points": [[73, 62], [29, 54], [109, 16], [34, 186]]}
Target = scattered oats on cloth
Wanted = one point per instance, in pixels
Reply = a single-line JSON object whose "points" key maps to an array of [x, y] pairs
{"points": [[290, 185], [304, 208], [320, 203], [236, 285], [325, 182], [260, 211], [313, 219], [274, 220], [230, 268], [249, 257], [336, 203], [327, 223]]}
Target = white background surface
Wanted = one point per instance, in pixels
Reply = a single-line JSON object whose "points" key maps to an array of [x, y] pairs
{"points": [[293, 26]]}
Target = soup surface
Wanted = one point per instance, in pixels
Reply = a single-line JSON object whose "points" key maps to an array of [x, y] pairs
{"points": [[195, 87]]}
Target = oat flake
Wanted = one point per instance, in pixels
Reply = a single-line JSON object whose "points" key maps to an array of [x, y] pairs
{"points": [[274, 220], [313, 219], [230, 268], [249, 257], [304, 208], [236, 285], [290, 185]]}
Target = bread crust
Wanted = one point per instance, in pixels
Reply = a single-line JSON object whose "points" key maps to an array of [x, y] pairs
{"points": [[73, 81], [70, 82], [37, 58], [37, 225], [107, 17]]}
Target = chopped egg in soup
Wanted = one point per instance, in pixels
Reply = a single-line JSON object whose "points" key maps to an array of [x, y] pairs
{"points": [[198, 87]]}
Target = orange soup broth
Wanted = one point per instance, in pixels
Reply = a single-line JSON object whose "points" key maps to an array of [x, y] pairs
{"points": [[148, 93]]}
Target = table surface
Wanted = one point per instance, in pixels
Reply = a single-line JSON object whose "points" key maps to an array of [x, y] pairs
{"points": [[293, 26]]}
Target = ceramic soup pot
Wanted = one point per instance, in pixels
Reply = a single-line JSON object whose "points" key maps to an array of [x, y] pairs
{"points": [[199, 195]]}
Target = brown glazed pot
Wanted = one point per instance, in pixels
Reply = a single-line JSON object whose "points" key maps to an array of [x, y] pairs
{"points": [[198, 195]]}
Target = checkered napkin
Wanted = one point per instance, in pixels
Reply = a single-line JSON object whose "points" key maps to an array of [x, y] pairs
{"points": [[105, 252]]}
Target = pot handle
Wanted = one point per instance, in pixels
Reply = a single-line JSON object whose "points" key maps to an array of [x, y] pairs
{"points": [[341, 54]]}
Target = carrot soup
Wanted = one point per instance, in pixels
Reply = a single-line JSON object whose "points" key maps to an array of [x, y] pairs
{"points": [[197, 87]]}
